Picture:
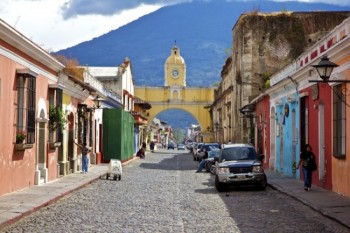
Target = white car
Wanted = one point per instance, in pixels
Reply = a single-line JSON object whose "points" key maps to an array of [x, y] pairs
{"points": [[181, 147]]}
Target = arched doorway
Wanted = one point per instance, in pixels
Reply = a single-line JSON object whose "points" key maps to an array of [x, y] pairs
{"points": [[41, 172]]}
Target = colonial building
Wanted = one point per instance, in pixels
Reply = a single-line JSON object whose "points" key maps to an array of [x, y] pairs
{"points": [[307, 112], [44, 113], [262, 44], [116, 112]]}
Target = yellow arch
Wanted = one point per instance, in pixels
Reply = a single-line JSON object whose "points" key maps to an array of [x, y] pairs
{"points": [[194, 100]]}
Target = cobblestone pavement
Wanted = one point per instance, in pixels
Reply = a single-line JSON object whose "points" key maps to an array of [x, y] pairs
{"points": [[162, 193]]}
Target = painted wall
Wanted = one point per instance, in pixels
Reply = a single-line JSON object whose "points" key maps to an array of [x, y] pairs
{"points": [[341, 167], [17, 168], [118, 129], [320, 120], [262, 121]]}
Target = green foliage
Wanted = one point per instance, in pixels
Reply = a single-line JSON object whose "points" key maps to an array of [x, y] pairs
{"points": [[57, 120], [216, 84], [179, 135], [265, 81], [20, 136]]}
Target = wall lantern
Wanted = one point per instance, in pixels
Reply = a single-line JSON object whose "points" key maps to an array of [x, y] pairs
{"points": [[324, 69], [217, 125], [82, 109], [248, 110], [97, 101]]}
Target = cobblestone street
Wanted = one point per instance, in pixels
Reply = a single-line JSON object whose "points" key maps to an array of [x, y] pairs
{"points": [[162, 193]]}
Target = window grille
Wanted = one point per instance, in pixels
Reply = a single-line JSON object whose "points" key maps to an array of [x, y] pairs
{"points": [[339, 120]]}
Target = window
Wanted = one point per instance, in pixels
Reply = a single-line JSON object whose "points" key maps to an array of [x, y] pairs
{"points": [[339, 119], [26, 98], [55, 99]]}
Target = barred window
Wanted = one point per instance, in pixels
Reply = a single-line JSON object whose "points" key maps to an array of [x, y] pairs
{"points": [[26, 98], [339, 119], [55, 100]]}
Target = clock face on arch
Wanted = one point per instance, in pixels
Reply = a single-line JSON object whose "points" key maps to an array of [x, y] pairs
{"points": [[175, 73]]}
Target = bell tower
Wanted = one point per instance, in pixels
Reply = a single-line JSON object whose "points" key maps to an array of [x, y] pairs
{"points": [[175, 69]]}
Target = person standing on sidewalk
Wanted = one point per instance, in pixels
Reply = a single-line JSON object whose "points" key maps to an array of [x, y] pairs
{"points": [[307, 160], [84, 159]]}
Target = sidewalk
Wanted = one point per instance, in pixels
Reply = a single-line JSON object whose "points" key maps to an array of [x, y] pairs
{"points": [[16, 205], [328, 203]]}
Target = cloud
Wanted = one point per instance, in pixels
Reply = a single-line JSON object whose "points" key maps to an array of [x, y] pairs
{"points": [[73, 8], [332, 2]]}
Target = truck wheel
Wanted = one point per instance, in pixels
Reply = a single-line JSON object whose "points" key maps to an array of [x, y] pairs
{"points": [[262, 184], [219, 186]]}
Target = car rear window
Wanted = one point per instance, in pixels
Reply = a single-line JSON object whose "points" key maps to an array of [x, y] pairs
{"points": [[238, 153]]}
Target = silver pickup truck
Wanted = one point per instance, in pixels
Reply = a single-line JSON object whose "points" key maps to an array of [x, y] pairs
{"points": [[239, 164]]}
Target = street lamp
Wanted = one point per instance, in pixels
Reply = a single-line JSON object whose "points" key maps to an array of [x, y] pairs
{"points": [[97, 101], [247, 112], [217, 126], [324, 69]]}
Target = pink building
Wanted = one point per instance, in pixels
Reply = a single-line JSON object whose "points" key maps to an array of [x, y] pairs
{"points": [[26, 73]]}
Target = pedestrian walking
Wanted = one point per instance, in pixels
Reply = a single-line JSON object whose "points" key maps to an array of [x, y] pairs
{"points": [[308, 163], [152, 146]]}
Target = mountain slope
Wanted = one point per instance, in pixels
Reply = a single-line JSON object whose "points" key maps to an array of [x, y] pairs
{"points": [[201, 30]]}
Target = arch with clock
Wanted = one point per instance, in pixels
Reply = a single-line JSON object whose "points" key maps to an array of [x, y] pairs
{"points": [[175, 95], [175, 69]]}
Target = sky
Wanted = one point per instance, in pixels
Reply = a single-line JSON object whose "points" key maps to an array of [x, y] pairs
{"points": [[59, 24]]}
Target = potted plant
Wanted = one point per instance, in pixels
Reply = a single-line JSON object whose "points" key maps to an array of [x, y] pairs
{"points": [[20, 136]]}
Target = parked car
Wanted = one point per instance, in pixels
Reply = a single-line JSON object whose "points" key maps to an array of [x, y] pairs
{"points": [[181, 147], [208, 147], [190, 146], [239, 164], [210, 161], [171, 145]]}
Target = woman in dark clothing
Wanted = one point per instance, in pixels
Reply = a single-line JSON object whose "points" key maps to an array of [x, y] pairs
{"points": [[307, 160], [151, 146]]}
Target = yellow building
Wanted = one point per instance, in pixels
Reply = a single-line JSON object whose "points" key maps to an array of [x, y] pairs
{"points": [[175, 95]]}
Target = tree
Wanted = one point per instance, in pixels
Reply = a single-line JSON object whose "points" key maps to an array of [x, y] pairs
{"points": [[179, 135]]}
